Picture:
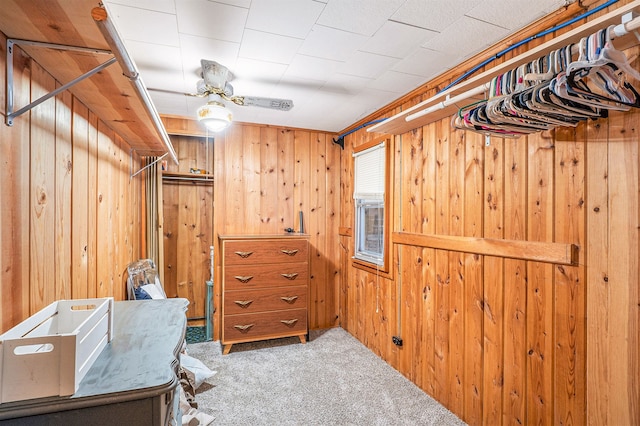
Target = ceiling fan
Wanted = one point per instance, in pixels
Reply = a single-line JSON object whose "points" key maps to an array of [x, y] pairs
{"points": [[216, 87]]}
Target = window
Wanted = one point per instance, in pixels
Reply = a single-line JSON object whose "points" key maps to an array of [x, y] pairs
{"points": [[370, 199]]}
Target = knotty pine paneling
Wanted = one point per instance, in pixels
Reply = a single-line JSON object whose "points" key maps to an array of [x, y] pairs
{"points": [[263, 177], [70, 213], [542, 343], [526, 333], [187, 228]]}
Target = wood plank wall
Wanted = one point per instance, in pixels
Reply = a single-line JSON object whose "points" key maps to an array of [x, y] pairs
{"points": [[188, 224], [263, 177], [70, 214], [499, 340]]}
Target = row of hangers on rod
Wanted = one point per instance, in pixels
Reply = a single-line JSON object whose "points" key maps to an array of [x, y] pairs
{"points": [[556, 90]]}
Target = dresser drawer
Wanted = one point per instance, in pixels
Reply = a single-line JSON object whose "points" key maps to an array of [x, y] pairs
{"points": [[265, 251], [248, 327], [269, 275], [265, 299]]}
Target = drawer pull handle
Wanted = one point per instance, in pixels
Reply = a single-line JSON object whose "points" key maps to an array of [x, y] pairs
{"points": [[290, 299], [290, 276], [243, 328], [244, 279], [243, 303], [289, 252], [289, 323], [244, 254]]}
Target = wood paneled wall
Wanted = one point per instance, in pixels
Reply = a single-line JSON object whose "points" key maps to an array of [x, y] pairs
{"points": [[187, 228], [70, 213], [500, 340], [263, 177]]}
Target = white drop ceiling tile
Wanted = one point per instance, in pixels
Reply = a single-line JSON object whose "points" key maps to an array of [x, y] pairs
{"points": [[250, 88], [361, 106], [166, 6], [170, 103], [201, 18], [159, 28], [309, 67], [301, 88], [269, 47], [465, 37], [396, 82], [300, 92], [426, 63], [268, 72], [553, 5], [368, 65], [397, 40], [433, 15], [196, 48], [164, 80], [292, 18], [345, 83], [239, 3], [358, 16], [331, 43], [513, 14], [155, 56]]}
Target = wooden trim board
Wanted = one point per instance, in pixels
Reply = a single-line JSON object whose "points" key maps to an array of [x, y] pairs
{"points": [[556, 253]]}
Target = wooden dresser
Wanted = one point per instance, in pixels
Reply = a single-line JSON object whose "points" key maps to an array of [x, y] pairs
{"points": [[265, 280]]}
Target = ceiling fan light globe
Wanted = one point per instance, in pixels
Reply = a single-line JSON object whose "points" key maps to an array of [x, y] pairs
{"points": [[215, 116]]}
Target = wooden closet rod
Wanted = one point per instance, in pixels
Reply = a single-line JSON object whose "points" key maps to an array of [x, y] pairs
{"points": [[445, 104]]}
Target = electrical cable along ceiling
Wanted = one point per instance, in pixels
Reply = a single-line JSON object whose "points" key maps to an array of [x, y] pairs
{"points": [[337, 60]]}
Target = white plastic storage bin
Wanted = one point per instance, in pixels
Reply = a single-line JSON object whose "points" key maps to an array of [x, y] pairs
{"points": [[50, 352]]}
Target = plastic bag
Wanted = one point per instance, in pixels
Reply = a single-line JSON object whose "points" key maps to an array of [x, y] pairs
{"points": [[194, 365]]}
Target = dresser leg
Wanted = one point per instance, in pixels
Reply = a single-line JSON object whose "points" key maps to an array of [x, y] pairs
{"points": [[226, 349], [303, 338]]}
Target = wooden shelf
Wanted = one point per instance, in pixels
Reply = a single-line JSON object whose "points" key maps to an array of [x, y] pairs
{"points": [[398, 124], [109, 94]]}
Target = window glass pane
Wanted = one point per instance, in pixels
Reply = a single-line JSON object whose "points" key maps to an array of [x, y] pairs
{"points": [[370, 231]]}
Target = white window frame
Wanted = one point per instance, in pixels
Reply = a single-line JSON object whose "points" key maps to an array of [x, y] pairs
{"points": [[371, 184]]}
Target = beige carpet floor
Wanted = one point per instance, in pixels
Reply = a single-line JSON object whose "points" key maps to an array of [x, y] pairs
{"points": [[331, 380]]}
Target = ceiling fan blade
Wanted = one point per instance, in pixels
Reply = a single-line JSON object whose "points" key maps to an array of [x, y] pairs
{"points": [[271, 103], [214, 74]]}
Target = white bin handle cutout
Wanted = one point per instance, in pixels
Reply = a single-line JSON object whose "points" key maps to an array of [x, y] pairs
{"points": [[33, 349], [83, 307]]}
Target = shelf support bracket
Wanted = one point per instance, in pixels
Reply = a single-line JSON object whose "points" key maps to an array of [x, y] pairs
{"points": [[11, 42], [132, 175]]}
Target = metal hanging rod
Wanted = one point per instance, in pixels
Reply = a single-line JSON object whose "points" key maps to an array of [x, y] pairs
{"points": [[113, 39], [188, 179], [441, 104]]}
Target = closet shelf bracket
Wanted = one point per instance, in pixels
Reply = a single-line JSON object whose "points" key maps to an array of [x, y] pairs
{"points": [[11, 42], [132, 175]]}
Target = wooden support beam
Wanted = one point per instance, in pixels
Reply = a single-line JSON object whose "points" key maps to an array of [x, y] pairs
{"points": [[556, 253]]}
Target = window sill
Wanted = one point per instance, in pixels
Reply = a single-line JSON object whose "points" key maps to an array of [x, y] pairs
{"points": [[372, 268]]}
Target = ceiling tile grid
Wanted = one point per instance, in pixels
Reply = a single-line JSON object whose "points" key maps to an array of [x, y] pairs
{"points": [[338, 60]]}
